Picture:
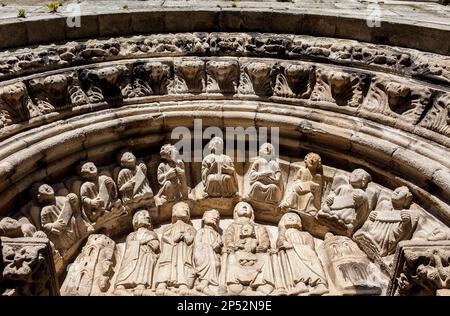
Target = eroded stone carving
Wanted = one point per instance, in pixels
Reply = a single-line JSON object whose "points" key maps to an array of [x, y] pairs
{"points": [[222, 76], [438, 117], [49, 93], [15, 104], [189, 76], [13, 228], [256, 78], [148, 79], [295, 81]]}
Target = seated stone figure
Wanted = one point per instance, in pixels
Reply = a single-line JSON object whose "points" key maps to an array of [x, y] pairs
{"points": [[218, 173], [348, 205], [15, 228], [248, 262], [171, 176], [301, 265], [266, 183], [98, 193], [391, 222], [133, 184], [139, 260], [61, 219], [306, 193], [176, 272], [207, 249]]}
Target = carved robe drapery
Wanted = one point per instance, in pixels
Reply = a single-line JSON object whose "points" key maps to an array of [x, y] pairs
{"points": [[140, 190], [139, 260], [265, 181], [173, 185], [307, 191], [206, 258], [301, 263], [219, 176], [107, 194], [176, 263]]}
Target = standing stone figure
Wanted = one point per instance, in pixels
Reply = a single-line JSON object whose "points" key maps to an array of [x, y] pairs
{"points": [[306, 193], [98, 193], [248, 262], [171, 176], [133, 184], [218, 173], [141, 253], [176, 268], [389, 224], [61, 219], [207, 249], [301, 265], [266, 183]]}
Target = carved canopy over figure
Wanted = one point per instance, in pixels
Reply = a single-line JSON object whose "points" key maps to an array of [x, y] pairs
{"points": [[266, 183], [301, 265], [176, 268], [133, 184], [171, 176], [306, 193], [140, 256], [207, 249], [390, 223], [98, 193], [248, 263], [218, 173], [61, 219], [348, 205]]}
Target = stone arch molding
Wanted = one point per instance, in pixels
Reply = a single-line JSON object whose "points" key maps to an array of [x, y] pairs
{"points": [[375, 116]]}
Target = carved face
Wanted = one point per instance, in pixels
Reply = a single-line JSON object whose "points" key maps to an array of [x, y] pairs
{"points": [[57, 83], [157, 70], [222, 69], [216, 145], [211, 218], [259, 70], [247, 231], [168, 152], [191, 68], [313, 161], [128, 160], [20, 263], [339, 81], [88, 171], [401, 198], [266, 151], [243, 209], [359, 179], [45, 193], [14, 92], [142, 219], [180, 211]]}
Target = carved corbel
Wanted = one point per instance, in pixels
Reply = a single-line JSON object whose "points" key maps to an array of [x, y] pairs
{"points": [[222, 76], [295, 81], [438, 117], [256, 78], [189, 76]]}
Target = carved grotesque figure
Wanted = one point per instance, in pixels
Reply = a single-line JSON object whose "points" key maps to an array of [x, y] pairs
{"points": [[104, 84], [301, 264], [248, 262], [132, 181], [141, 253], [98, 193], [348, 205], [190, 76], [295, 80], [266, 183], [61, 218], [218, 173], [223, 76], [50, 92], [389, 224], [176, 269], [306, 192], [171, 176], [256, 79], [207, 249]]}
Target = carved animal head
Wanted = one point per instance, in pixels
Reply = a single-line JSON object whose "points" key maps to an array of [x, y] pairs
{"points": [[157, 70], [396, 92], [222, 69], [190, 68]]}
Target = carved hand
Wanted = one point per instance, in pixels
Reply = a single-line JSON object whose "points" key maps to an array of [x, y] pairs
{"points": [[143, 167], [329, 200], [373, 216], [405, 216], [73, 198]]}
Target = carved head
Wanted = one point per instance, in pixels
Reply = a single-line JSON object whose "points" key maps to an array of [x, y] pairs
{"points": [[313, 161], [14, 92], [128, 160], [216, 145], [294, 71], [359, 179], [401, 198], [169, 152], [291, 220], [156, 70], [211, 218], [89, 171], [397, 91], [247, 231], [339, 81], [45, 193], [267, 151], [222, 69], [243, 210], [190, 68], [21, 263], [56, 83], [142, 219], [181, 212]]}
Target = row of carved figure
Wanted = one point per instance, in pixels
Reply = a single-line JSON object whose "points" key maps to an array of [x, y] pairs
{"points": [[381, 94], [407, 61], [186, 261], [353, 207]]}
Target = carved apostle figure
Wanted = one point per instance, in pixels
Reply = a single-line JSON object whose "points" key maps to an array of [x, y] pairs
{"points": [[141, 252], [61, 219], [347, 207], [218, 173], [176, 269], [389, 224], [306, 193], [133, 184], [98, 193], [248, 262], [266, 183], [301, 264], [207, 249], [171, 176]]}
